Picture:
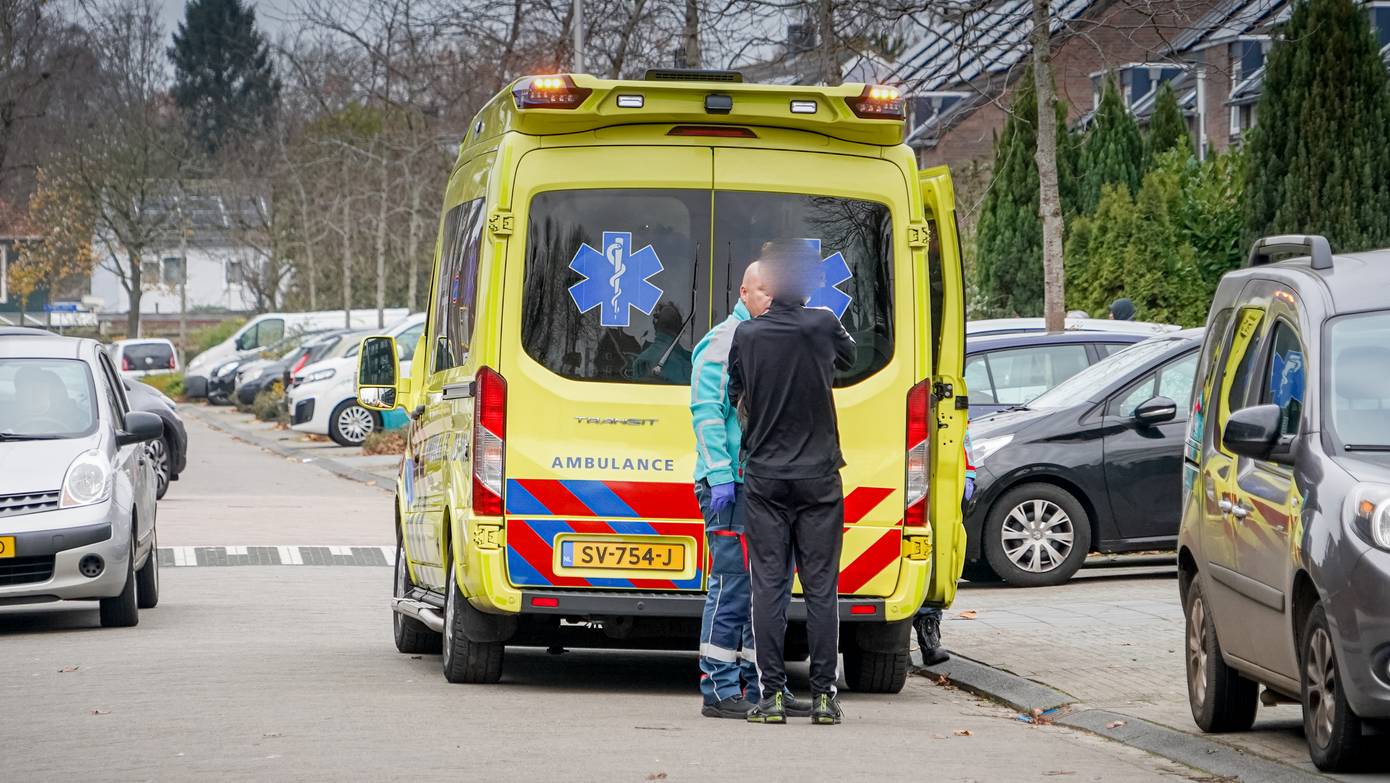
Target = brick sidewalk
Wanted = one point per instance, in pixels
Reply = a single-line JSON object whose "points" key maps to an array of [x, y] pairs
{"points": [[1112, 638]]}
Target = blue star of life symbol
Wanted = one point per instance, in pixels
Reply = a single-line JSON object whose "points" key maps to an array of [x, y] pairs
{"points": [[832, 271], [615, 279]]}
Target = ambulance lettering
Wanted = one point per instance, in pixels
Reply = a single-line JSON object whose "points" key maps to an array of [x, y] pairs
{"points": [[574, 462]]}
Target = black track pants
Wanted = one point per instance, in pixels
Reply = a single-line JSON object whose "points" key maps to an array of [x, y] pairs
{"points": [[801, 522]]}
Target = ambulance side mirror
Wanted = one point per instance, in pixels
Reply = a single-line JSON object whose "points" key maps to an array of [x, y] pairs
{"points": [[378, 373]]}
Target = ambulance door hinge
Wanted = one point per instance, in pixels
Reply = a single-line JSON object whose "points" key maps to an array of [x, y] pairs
{"points": [[941, 390], [919, 235], [500, 223]]}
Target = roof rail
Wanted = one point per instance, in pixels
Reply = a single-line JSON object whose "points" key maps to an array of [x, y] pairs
{"points": [[1266, 250], [691, 75]]}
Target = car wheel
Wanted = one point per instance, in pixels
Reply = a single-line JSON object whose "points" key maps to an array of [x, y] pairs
{"points": [[1333, 731], [122, 611], [1220, 697], [464, 659], [412, 636], [350, 423], [147, 578], [1036, 535], [159, 453]]}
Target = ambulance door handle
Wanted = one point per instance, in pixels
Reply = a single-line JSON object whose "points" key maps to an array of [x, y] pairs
{"points": [[458, 391]]}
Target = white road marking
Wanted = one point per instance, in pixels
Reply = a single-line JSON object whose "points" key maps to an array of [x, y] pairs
{"points": [[185, 556], [390, 553], [340, 551], [235, 550], [289, 555]]}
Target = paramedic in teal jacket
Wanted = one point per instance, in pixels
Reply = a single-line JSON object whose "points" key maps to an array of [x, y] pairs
{"points": [[726, 636]]}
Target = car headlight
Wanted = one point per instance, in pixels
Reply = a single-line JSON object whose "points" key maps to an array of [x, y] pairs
{"points": [[1368, 507], [982, 448], [88, 480], [226, 369], [318, 375]]}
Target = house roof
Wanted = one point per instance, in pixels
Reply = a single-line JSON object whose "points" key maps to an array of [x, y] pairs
{"points": [[210, 209], [1230, 19]]}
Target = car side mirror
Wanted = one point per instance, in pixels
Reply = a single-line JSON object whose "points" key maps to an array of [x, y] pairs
{"points": [[1156, 410], [1253, 432], [140, 427], [378, 373]]}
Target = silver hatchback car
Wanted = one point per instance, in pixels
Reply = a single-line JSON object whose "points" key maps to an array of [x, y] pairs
{"points": [[77, 489]]}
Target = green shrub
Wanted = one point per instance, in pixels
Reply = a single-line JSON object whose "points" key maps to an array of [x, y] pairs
{"points": [[270, 404], [202, 339], [171, 383]]}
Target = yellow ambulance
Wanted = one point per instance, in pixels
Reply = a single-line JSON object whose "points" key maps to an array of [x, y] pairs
{"points": [[592, 231]]}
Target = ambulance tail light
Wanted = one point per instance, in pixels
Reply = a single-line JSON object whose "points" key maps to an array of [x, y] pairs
{"points": [[489, 441], [878, 102], [549, 92], [918, 465]]}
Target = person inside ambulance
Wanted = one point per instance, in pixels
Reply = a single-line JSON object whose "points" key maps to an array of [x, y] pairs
{"points": [[664, 357], [781, 370], [726, 637]]}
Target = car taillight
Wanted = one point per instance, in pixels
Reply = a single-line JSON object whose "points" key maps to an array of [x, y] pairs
{"points": [[878, 102], [489, 441], [172, 364], [125, 363], [549, 92], [918, 467], [299, 365]]}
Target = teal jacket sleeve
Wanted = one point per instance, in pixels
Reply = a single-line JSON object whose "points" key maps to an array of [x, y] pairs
{"points": [[710, 410]]}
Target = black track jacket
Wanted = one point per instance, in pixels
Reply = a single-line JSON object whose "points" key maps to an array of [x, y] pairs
{"points": [[781, 367]]}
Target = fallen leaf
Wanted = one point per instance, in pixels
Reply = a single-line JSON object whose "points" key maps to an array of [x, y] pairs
{"points": [[963, 733], [1114, 724], [101, 712], [657, 776], [942, 679], [272, 734], [968, 614], [67, 669]]}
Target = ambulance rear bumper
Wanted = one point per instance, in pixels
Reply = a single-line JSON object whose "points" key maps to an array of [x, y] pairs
{"points": [[643, 604]]}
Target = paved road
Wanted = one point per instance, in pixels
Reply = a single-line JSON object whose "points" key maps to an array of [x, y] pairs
{"points": [[1112, 638], [288, 672]]}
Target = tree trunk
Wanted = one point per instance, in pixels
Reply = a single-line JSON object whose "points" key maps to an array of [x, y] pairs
{"points": [[1049, 198], [692, 33], [382, 213], [828, 49], [347, 264], [620, 57], [412, 247], [133, 291]]}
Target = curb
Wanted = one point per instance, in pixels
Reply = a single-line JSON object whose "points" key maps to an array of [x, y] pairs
{"points": [[1025, 696], [330, 465]]}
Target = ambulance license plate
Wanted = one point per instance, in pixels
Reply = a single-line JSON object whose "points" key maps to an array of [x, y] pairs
{"points": [[6, 546], [630, 557]]}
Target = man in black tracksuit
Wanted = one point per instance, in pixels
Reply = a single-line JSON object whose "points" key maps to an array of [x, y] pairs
{"points": [[781, 366]]}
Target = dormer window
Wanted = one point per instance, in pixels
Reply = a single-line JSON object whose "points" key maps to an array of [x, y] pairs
{"points": [[1379, 13], [1136, 81], [1247, 56]]}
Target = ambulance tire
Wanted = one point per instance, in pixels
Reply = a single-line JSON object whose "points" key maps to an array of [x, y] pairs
{"points": [[464, 659], [412, 636], [875, 672]]}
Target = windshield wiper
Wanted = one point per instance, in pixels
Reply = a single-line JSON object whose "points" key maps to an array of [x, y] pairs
{"points": [[1016, 408], [1367, 447], [10, 436]]}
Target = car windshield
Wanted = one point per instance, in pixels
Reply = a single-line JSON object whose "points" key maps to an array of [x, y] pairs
{"points": [[1087, 384], [1359, 405], [46, 399]]}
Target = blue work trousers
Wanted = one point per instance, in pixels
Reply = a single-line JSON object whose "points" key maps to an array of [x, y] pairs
{"points": [[726, 633]]}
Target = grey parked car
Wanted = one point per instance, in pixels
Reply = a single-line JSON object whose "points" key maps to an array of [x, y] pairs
{"points": [[77, 489], [1284, 550]]}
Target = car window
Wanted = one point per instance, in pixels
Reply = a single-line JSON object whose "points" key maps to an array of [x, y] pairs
{"points": [[856, 248], [456, 291], [1091, 382], [1175, 382], [1360, 397], [405, 342], [609, 289], [1239, 390], [146, 356], [1106, 349], [47, 397], [1021, 374], [269, 331], [1137, 395], [977, 380], [1284, 378]]}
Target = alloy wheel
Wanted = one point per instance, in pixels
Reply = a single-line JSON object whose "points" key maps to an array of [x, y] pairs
{"points": [[1197, 653], [449, 618], [1037, 535], [400, 590], [355, 422], [1322, 686], [159, 455]]}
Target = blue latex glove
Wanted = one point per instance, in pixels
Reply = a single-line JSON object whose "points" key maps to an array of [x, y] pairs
{"points": [[969, 489], [721, 496]]}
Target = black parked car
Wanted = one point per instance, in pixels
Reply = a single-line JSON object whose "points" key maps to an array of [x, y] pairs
{"points": [[255, 377], [1004, 370], [170, 452], [1094, 464]]}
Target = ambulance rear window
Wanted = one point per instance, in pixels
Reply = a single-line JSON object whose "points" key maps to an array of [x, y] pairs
{"points": [[616, 283]]}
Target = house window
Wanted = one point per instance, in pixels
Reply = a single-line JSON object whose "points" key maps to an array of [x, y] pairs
{"points": [[1246, 58], [1380, 21], [234, 273], [173, 271], [149, 273]]}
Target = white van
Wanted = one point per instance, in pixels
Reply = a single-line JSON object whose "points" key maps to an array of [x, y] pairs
{"points": [[269, 328]]}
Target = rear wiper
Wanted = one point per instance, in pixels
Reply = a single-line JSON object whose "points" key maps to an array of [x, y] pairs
{"points": [[1368, 447], [10, 436]]}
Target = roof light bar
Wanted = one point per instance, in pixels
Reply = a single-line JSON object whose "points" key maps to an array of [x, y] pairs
{"points": [[549, 92], [879, 102]]}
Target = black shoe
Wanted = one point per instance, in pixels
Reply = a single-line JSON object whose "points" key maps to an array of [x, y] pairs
{"points": [[736, 707], [773, 710], [796, 708], [827, 710], [934, 656]]}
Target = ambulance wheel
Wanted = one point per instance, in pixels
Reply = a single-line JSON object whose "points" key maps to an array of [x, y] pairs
{"points": [[875, 672], [1037, 535], [464, 659], [412, 636]]}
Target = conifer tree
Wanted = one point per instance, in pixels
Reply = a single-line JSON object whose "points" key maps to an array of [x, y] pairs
{"points": [[1319, 157], [224, 82], [1167, 127], [1009, 234], [1113, 150]]}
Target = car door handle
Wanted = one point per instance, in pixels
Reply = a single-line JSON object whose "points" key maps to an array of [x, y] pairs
{"points": [[1225, 506], [1240, 512]]}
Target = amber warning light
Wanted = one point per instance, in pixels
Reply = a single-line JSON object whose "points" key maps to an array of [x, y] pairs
{"points": [[878, 102], [549, 92]]}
